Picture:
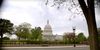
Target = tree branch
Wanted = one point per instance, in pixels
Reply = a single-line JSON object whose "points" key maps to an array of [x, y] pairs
{"points": [[83, 7]]}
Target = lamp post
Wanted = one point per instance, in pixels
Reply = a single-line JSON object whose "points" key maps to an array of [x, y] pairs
{"points": [[74, 36]]}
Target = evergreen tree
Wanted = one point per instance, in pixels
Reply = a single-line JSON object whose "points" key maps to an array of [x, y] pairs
{"points": [[5, 27]]}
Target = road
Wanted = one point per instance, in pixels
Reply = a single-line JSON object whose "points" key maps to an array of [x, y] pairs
{"points": [[47, 48]]}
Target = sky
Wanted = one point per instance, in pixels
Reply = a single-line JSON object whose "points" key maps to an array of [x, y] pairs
{"points": [[37, 13]]}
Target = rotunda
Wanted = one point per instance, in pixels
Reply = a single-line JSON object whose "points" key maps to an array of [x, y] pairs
{"points": [[47, 29], [47, 32]]}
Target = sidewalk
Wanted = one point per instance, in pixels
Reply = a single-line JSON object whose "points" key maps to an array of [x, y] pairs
{"points": [[50, 46]]}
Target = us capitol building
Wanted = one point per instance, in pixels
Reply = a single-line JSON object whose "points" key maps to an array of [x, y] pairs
{"points": [[47, 34]]}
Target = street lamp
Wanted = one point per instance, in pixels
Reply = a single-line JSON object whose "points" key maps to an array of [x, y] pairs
{"points": [[74, 36]]}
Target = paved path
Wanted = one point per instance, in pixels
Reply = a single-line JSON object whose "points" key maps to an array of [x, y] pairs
{"points": [[48, 48]]}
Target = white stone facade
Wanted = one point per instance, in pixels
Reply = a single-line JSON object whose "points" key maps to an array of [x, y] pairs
{"points": [[47, 33]]}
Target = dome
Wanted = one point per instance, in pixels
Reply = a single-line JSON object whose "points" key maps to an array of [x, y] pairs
{"points": [[47, 27], [47, 32]]}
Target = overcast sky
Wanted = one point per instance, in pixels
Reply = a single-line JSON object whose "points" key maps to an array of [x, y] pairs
{"points": [[37, 13]]}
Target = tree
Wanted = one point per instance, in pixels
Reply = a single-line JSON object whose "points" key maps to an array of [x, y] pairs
{"points": [[69, 38], [81, 38], [5, 27], [23, 31], [99, 34], [89, 13], [6, 38], [1, 1], [65, 37], [36, 33]]}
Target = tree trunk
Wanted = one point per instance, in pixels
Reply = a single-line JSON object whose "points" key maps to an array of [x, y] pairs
{"points": [[1, 1], [90, 18], [94, 42], [1, 40], [1, 35], [93, 35]]}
